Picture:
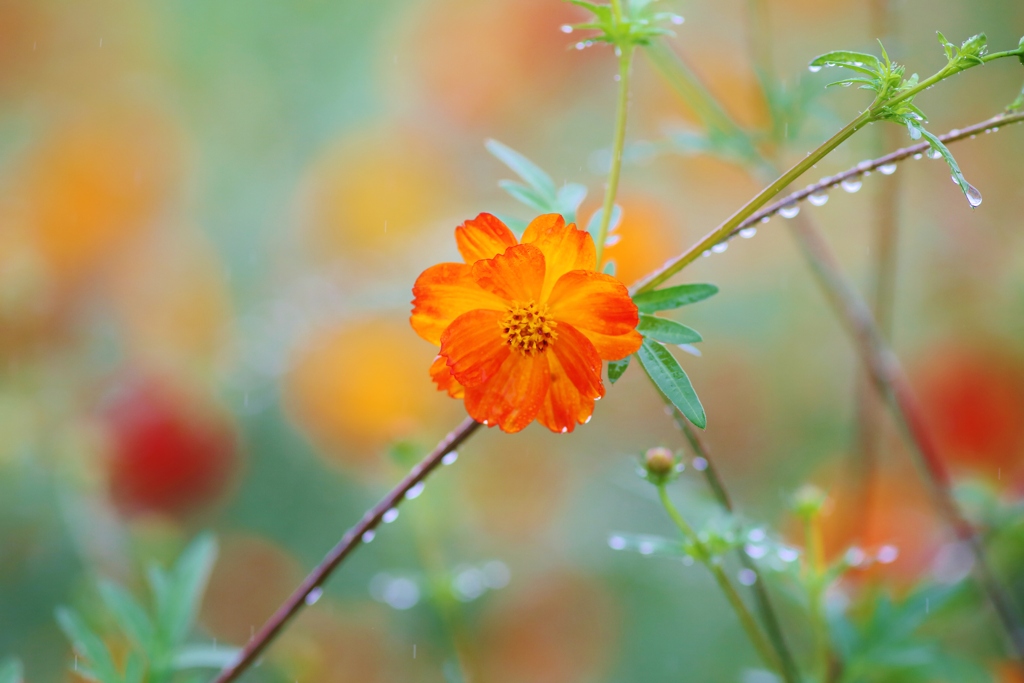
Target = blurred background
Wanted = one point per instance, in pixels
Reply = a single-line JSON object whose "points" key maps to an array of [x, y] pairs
{"points": [[211, 217]]}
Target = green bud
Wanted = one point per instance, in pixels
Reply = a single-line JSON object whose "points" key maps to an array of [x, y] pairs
{"points": [[660, 463], [808, 501]]}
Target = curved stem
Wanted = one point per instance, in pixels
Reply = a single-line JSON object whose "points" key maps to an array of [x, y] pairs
{"points": [[745, 617], [619, 142], [349, 542]]}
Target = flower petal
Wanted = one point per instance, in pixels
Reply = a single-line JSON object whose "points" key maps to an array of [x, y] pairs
{"points": [[563, 407], [513, 397], [515, 275], [473, 346], [444, 292], [483, 237], [579, 359], [599, 306], [442, 376], [565, 248]]}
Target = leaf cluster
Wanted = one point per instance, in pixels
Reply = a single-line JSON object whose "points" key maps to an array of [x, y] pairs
{"points": [[158, 636], [537, 189], [638, 25]]}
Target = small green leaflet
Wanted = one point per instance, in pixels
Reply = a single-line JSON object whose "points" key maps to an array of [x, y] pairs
{"points": [[616, 368], [10, 671], [673, 297], [537, 190], [90, 646], [971, 192], [667, 331], [855, 61], [530, 172], [665, 371]]}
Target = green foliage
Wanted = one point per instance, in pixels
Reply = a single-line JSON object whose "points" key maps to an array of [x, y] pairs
{"points": [[616, 368], [10, 671], [159, 651], [969, 53], [673, 297], [1018, 103], [670, 378], [639, 24], [667, 331], [537, 189], [971, 192]]}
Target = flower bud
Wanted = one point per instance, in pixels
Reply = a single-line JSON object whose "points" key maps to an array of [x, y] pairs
{"points": [[660, 462], [808, 501]]}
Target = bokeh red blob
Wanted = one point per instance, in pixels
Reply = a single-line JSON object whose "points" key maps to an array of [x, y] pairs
{"points": [[170, 451]]}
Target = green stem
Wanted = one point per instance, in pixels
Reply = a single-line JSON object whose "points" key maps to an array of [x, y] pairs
{"points": [[745, 617], [814, 580], [625, 65]]}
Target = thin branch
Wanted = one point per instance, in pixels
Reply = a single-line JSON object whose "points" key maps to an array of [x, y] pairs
{"points": [[352, 538], [892, 384]]}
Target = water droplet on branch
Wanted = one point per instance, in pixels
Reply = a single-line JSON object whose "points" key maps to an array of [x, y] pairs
{"points": [[790, 210], [818, 198], [720, 247], [851, 185], [887, 169], [390, 516], [747, 233]]}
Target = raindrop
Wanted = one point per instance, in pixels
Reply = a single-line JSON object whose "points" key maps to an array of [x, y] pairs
{"points": [[864, 166], [700, 464], [589, 418], [887, 169], [450, 458], [788, 554], [887, 554], [581, 45], [618, 51], [934, 154], [415, 491], [616, 542], [790, 210], [818, 199], [720, 247], [814, 68], [918, 156], [955, 181], [400, 593], [973, 196], [851, 185], [766, 219], [707, 252], [646, 548], [756, 535], [677, 20], [846, 84], [747, 233], [855, 557], [747, 577], [566, 28], [390, 516], [755, 551], [369, 535], [469, 584], [565, 429], [314, 595]]}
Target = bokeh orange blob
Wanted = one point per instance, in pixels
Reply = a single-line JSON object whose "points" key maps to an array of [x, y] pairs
{"points": [[329, 644], [354, 388], [646, 238], [974, 402], [93, 183], [251, 578], [558, 628], [373, 190]]}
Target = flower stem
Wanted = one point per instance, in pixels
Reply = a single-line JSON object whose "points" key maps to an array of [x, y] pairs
{"points": [[745, 617], [349, 542], [625, 53], [790, 672]]}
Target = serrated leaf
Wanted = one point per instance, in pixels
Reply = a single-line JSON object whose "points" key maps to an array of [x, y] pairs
{"points": [[616, 368], [666, 373], [861, 61], [529, 196], [130, 616], [569, 198], [531, 173], [673, 297], [189, 579], [667, 331], [11, 671], [594, 224], [205, 657], [88, 645]]}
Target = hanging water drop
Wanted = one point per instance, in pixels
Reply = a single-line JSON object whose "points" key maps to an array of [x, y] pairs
{"points": [[677, 19], [852, 185], [707, 252], [747, 233], [450, 458], [790, 210], [814, 68], [390, 516], [720, 247], [934, 153], [368, 536], [566, 28], [314, 595], [766, 219], [616, 543], [973, 196], [918, 156], [887, 169], [415, 491], [747, 577], [581, 45], [818, 198]]}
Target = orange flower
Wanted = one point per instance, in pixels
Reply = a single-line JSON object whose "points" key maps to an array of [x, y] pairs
{"points": [[523, 327]]}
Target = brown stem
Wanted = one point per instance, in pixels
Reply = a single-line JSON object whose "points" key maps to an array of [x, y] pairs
{"points": [[892, 384], [765, 608], [352, 538]]}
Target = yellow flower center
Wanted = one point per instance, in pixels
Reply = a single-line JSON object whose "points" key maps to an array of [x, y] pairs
{"points": [[527, 328]]}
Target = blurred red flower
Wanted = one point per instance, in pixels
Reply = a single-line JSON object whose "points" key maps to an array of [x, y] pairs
{"points": [[523, 328]]}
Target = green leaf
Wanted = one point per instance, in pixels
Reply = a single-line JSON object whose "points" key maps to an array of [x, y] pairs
{"points": [[11, 671], [971, 192], [673, 297], [616, 368], [88, 645], [594, 224], [134, 668], [569, 198], [667, 331], [205, 657], [665, 371], [859, 61], [528, 196], [609, 268], [531, 173], [189, 578], [129, 615]]}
